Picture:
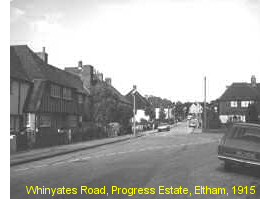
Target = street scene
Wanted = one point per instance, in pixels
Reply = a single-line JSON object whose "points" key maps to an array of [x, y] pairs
{"points": [[175, 158], [134, 99]]}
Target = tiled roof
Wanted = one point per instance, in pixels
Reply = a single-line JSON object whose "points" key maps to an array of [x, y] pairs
{"points": [[241, 91], [35, 68], [141, 102], [122, 98], [16, 71]]}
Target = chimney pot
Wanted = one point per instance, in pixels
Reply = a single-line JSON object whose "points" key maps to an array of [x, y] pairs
{"points": [[253, 81], [80, 64], [43, 55], [108, 81]]}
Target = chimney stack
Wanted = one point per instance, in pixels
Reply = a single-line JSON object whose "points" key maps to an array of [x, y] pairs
{"points": [[43, 55], [80, 64], [108, 81], [253, 81], [100, 76]]}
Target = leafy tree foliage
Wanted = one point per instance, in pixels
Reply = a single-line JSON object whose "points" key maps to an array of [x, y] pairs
{"points": [[107, 108], [162, 114], [150, 111]]}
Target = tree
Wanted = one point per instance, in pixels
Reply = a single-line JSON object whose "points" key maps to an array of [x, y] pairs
{"points": [[179, 109], [162, 114], [149, 111], [104, 106], [252, 114]]}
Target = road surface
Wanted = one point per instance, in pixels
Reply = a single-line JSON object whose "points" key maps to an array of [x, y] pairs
{"points": [[178, 158]]}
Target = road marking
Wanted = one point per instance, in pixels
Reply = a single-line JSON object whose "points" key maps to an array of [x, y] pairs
{"points": [[73, 160], [58, 163], [22, 169], [86, 158], [40, 166]]}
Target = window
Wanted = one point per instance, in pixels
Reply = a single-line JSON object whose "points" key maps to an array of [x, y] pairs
{"points": [[66, 94], [72, 120], [11, 87], [12, 123], [55, 91], [245, 104], [233, 103], [246, 134], [45, 121], [80, 99]]}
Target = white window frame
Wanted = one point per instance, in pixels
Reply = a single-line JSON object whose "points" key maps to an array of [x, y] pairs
{"points": [[245, 104], [233, 104]]}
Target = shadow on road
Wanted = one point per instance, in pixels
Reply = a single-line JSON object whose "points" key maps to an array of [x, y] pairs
{"points": [[240, 170]]}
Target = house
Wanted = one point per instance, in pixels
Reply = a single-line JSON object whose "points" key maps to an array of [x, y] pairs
{"points": [[102, 92], [235, 100], [158, 103], [93, 80], [20, 86], [141, 103], [53, 108]]}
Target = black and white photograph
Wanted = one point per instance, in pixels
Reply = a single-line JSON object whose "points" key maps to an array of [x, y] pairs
{"points": [[117, 99]]}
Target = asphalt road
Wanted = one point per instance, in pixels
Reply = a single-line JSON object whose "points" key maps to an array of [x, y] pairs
{"points": [[176, 158]]}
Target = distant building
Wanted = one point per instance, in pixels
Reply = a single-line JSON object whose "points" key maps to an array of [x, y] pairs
{"points": [[235, 100], [140, 104], [195, 109]]}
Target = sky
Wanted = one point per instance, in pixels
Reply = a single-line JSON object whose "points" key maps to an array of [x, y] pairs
{"points": [[165, 47]]}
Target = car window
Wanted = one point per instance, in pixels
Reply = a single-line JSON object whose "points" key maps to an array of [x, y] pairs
{"points": [[232, 132], [252, 135], [244, 133]]}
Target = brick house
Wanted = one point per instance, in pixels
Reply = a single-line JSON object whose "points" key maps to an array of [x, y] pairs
{"points": [[94, 82], [54, 106], [235, 100]]}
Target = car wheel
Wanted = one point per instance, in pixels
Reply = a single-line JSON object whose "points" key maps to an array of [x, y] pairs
{"points": [[227, 165]]}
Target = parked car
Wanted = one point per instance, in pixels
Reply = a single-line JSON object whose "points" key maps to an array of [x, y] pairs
{"points": [[193, 123], [240, 145], [163, 127], [189, 117]]}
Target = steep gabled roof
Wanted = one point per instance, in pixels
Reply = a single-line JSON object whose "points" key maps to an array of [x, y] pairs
{"points": [[141, 102], [102, 84], [241, 91], [16, 71], [35, 68]]}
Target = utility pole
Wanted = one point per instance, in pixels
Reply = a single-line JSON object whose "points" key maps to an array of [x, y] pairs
{"points": [[205, 105], [133, 93]]}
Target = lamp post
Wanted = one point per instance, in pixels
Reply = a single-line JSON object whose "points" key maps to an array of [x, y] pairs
{"points": [[133, 93]]}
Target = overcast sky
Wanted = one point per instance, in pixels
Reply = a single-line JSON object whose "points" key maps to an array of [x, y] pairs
{"points": [[165, 47]]}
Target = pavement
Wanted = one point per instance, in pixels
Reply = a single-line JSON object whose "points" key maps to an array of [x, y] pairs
{"points": [[43, 153]]}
